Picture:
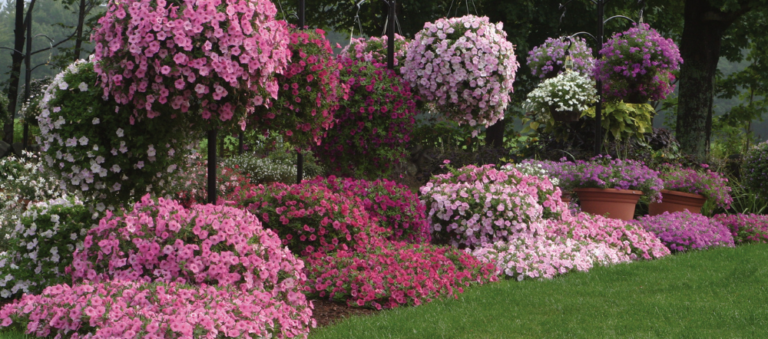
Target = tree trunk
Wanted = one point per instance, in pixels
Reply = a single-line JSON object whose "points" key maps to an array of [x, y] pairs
{"points": [[494, 134], [79, 30], [700, 48], [16, 59]]}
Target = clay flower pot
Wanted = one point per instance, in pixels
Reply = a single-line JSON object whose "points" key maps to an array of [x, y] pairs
{"points": [[566, 197], [610, 202], [676, 201]]}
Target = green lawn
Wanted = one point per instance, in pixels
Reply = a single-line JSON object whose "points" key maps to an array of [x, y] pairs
{"points": [[720, 293]]}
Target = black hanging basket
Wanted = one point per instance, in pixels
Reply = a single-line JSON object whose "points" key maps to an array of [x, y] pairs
{"points": [[564, 116]]}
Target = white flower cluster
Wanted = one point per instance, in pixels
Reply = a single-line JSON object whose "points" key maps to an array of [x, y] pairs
{"points": [[266, 170], [532, 169], [569, 91], [39, 247]]}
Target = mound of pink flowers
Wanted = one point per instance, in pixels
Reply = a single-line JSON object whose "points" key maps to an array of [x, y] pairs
{"points": [[745, 228], [476, 206], [466, 66], [167, 56], [128, 309], [388, 274], [225, 276], [374, 50], [398, 210], [574, 243], [684, 231]]}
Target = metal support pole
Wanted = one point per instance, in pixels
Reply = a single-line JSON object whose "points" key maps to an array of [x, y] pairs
{"points": [[28, 77], [212, 166], [599, 107], [240, 145], [391, 36], [299, 156]]}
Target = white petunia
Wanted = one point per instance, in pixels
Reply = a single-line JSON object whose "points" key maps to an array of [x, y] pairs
{"points": [[96, 121], [83, 87], [120, 132]]}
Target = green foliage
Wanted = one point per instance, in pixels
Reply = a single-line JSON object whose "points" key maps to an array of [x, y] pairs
{"points": [[42, 245], [622, 120], [4, 116], [755, 171]]}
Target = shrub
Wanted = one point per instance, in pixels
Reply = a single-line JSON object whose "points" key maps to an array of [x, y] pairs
{"points": [[548, 59], [41, 246], [466, 66], [683, 231], [205, 244], [92, 148], [373, 126], [574, 243], [384, 274], [130, 309], [212, 59], [397, 209], [474, 206], [756, 170], [24, 179], [745, 228], [637, 65], [4, 115], [308, 217], [310, 90], [374, 50]]}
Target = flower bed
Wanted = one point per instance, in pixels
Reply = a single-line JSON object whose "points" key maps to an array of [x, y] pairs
{"points": [[745, 228], [683, 231], [384, 274], [395, 207]]}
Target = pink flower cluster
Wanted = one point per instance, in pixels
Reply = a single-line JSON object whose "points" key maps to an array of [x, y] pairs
{"points": [[573, 243], [129, 309], [308, 218], [310, 91], [373, 126], [387, 274], [374, 50], [398, 210], [209, 56], [683, 231], [745, 228], [466, 66], [638, 65], [476, 206]]}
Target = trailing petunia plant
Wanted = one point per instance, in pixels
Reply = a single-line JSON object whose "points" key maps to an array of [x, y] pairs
{"points": [[605, 172], [684, 231], [465, 66], [207, 59], [310, 91], [374, 49], [567, 92], [711, 185], [94, 150], [745, 228], [373, 126], [548, 59], [638, 65], [42, 244]]}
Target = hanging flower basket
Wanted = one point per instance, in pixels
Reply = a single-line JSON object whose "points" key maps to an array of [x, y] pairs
{"points": [[548, 60], [564, 116], [676, 201], [637, 66]]}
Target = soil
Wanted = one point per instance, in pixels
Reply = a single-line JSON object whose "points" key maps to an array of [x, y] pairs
{"points": [[329, 312]]}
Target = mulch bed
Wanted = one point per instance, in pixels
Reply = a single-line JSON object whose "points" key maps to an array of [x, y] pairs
{"points": [[328, 312]]}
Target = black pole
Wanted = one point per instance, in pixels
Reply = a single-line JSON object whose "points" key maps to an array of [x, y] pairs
{"points": [[299, 156], [391, 36], [212, 166], [240, 145], [28, 76], [599, 107]]}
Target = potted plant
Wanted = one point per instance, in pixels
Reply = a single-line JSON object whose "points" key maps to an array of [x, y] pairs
{"points": [[688, 189], [465, 66], [563, 97], [548, 60], [638, 65], [610, 186]]}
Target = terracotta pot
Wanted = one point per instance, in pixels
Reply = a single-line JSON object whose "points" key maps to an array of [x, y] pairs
{"points": [[675, 201], [609, 202], [567, 116], [566, 197]]}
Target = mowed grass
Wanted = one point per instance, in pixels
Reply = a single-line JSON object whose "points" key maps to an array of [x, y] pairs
{"points": [[720, 293]]}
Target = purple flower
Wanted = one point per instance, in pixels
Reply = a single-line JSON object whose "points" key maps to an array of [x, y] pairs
{"points": [[683, 231]]}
